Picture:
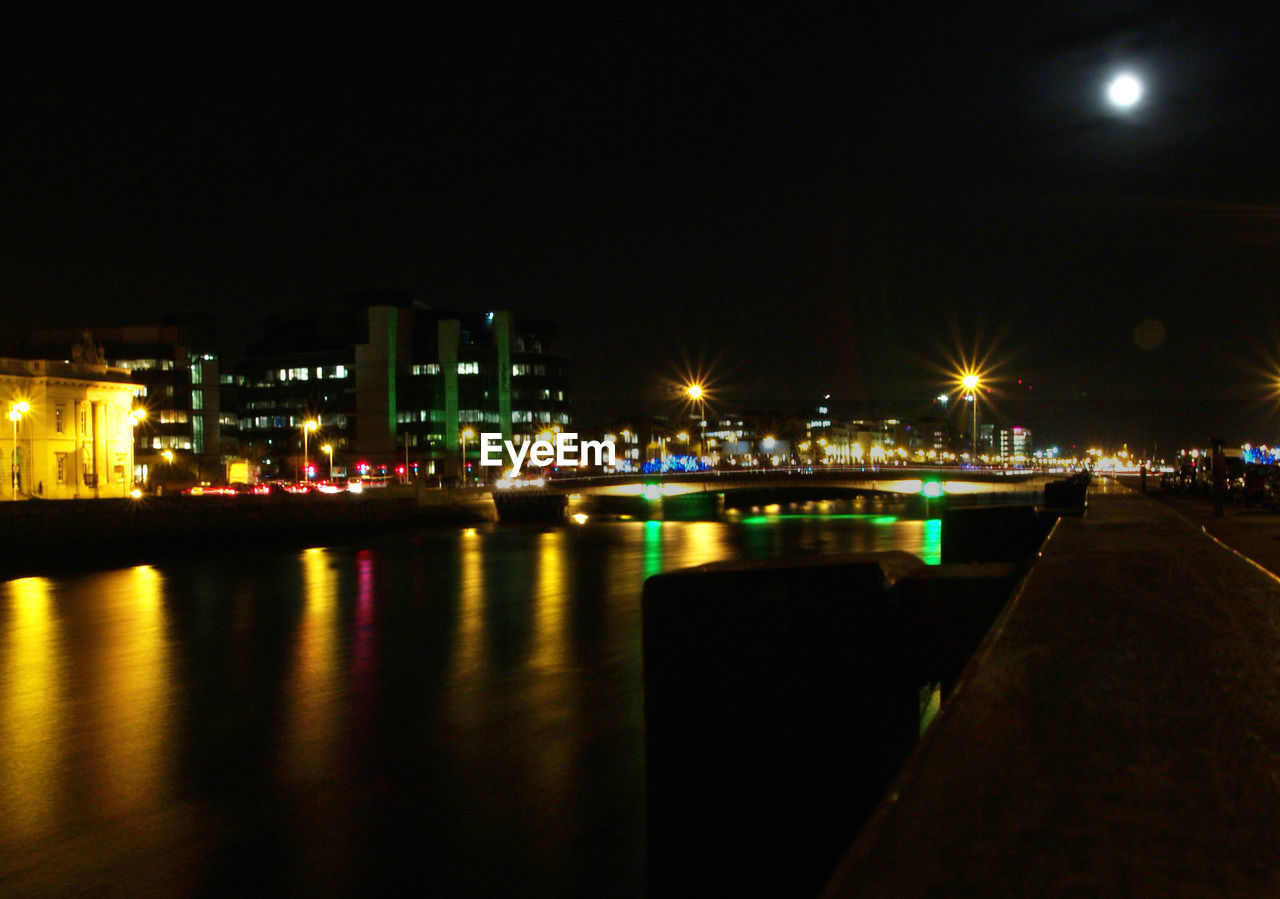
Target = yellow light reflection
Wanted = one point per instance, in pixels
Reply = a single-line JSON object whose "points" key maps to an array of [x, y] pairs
{"points": [[314, 689], [550, 601], [468, 641], [555, 691], [910, 485], [638, 489], [131, 712], [31, 697], [700, 542]]}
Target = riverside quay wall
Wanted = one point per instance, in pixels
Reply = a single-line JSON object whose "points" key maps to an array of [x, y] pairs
{"points": [[45, 536], [781, 698], [1114, 733]]}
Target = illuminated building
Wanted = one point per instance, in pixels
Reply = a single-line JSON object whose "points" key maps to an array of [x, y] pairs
{"points": [[1015, 443], [392, 381], [748, 439], [75, 438], [936, 437], [986, 437], [643, 438], [175, 365]]}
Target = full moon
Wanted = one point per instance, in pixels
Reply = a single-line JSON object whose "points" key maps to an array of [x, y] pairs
{"points": [[1124, 91]]}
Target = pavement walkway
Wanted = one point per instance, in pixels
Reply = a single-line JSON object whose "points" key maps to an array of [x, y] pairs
{"points": [[1117, 734]]}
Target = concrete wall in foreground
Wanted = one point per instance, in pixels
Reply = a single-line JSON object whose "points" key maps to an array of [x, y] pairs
{"points": [[780, 701]]}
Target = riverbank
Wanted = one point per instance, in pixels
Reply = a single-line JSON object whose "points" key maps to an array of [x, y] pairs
{"points": [[54, 536]]}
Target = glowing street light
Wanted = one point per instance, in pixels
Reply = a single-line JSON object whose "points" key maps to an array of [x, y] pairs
{"points": [[970, 383], [307, 427], [328, 450], [137, 415], [696, 394], [16, 411], [466, 435]]}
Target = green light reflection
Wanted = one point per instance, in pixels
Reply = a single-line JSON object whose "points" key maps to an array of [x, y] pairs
{"points": [[652, 548], [931, 541], [861, 516], [922, 537]]}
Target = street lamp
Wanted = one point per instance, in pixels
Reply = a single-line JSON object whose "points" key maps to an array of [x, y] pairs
{"points": [[307, 427], [695, 393], [328, 449], [136, 416], [467, 434], [16, 411], [970, 383]]}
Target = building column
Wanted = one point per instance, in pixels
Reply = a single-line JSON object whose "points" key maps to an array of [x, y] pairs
{"points": [[93, 446]]}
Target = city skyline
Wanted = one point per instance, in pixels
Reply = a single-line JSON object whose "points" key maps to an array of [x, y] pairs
{"points": [[801, 206]]}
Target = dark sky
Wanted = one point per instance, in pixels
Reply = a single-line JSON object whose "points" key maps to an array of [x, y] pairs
{"points": [[804, 206]]}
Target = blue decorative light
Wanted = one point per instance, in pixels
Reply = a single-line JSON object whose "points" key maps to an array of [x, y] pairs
{"points": [[1262, 455], [674, 464]]}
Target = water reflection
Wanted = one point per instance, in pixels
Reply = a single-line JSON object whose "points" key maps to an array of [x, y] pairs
{"points": [[930, 548], [131, 693], [32, 685], [314, 688], [807, 533], [697, 543], [550, 603], [363, 636], [652, 548], [469, 645], [395, 712]]}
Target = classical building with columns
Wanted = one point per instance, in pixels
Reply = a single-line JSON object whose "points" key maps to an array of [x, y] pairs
{"points": [[67, 431]]}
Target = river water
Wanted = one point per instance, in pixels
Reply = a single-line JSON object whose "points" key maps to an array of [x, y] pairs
{"points": [[454, 712]]}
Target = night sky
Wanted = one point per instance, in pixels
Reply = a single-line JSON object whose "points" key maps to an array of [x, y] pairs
{"points": [[797, 206]]}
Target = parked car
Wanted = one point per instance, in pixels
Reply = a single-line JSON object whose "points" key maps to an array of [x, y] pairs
{"points": [[1255, 480], [1271, 488], [1236, 471]]}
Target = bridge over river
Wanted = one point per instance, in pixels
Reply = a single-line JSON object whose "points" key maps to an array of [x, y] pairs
{"points": [[698, 494]]}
